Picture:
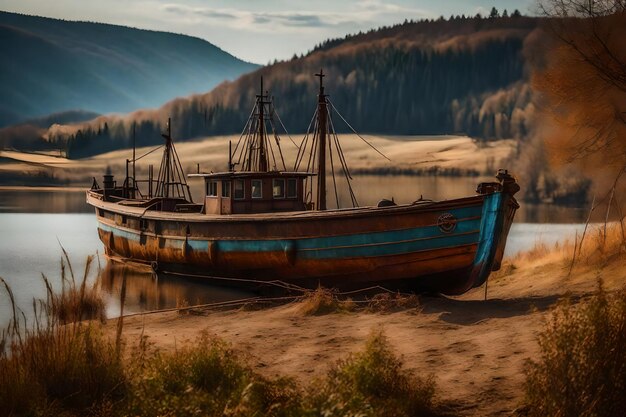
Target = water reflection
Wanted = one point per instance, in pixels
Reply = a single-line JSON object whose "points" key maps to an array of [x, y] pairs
{"points": [[145, 291], [62, 200]]}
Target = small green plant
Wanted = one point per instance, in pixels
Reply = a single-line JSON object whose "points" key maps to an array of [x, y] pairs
{"points": [[582, 367], [372, 383]]}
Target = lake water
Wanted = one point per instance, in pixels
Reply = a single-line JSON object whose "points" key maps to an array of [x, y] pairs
{"points": [[35, 224]]}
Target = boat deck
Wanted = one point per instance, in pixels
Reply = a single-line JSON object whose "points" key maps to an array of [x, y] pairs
{"points": [[134, 208]]}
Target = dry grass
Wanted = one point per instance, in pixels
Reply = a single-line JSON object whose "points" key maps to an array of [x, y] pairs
{"points": [[77, 300], [582, 367], [71, 370], [391, 302], [323, 301], [599, 245], [58, 364]]}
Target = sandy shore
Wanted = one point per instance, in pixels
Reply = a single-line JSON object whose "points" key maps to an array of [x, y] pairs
{"points": [[476, 349]]}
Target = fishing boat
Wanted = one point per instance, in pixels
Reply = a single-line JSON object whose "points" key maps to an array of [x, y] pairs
{"points": [[261, 223]]}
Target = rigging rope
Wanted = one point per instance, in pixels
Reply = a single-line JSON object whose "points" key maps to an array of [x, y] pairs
{"points": [[149, 152], [284, 128], [355, 132]]}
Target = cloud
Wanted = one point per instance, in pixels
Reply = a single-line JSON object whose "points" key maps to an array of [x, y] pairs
{"points": [[367, 12], [298, 19], [184, 10], [217, 14], [273, 19]]}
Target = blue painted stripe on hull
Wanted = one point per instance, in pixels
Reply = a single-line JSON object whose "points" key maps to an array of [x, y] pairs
{"points": [[399, 248], [118, 232], [348, 242], [395, 235], [333, 247]]}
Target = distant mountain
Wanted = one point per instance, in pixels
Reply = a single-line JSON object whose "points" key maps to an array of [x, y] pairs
{"points": [[52, 65], [464, 75]]}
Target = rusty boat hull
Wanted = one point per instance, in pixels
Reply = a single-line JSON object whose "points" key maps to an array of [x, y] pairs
{"points": [[448, 246]]}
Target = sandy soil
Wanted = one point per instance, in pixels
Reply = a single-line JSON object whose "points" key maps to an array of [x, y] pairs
{"points": [[476, 349], [405, 152]]}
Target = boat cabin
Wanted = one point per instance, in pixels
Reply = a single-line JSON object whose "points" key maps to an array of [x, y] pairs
{"points": [[254, 192]]}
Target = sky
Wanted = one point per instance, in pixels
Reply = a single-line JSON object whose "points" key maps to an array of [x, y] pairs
{"points": [[259, 31]]}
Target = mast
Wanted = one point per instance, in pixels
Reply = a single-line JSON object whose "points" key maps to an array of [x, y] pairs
{"points": [[134, 146], [167, 158], [171, 180], [321, 115], [254, 150], [262, 157]]}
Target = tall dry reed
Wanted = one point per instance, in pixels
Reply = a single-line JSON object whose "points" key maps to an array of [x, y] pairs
{"points": [[58, 364]]}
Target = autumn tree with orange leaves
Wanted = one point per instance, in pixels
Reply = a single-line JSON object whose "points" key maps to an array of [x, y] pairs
{"points": [[583, 82]]}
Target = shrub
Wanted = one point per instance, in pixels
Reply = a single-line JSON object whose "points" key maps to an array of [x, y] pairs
{"points": [[582, 367], [372, 383], [205, 379]]}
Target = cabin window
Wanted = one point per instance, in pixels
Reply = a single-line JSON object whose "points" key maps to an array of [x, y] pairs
{"points": [[292, 188], [143, 224], [225, 188], [211, 189], [239, 190], [278, 188], [257, 191]]}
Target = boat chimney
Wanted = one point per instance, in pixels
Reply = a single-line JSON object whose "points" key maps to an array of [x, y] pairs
{"points": [[230, 156], [108, 181]]}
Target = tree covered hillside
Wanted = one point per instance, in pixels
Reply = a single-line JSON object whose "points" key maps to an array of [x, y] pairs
{"points": [[52, 65], [463, 75]]}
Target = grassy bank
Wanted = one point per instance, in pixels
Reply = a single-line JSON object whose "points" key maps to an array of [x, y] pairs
{"points": [[77, 370], [63, 365]]}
